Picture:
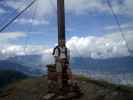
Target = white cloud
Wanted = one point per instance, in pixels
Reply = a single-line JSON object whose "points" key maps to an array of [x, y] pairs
{"points": [[19, 50], [74, 6], [96, 47], [32, 21], [42, 9], [83, 6], [5, 44], [2, 11], [5, 37], [108, 46], [128, 7], [12, 34], [11, 50], [47, 57], [125, 26], [123, 8], [19, 5]]}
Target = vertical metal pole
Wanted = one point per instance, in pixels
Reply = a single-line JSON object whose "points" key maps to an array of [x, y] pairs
{"points": [[61, 19], [61, 36]]}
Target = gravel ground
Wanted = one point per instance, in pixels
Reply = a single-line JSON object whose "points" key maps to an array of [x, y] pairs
{"points": [[36, 89]]}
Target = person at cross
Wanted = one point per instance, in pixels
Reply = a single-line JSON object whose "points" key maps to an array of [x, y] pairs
{"points": [[62, 56]]}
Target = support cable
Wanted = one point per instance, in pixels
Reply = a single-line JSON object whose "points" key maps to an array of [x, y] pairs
{"points": [[119, 25], [13, 19], [13, 12]]}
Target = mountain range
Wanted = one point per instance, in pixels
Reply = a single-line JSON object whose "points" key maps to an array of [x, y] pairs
{"points": [[10, 64], [113, 65], [32, 64], [9, 76]]}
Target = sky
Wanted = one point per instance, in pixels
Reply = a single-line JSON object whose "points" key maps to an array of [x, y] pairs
{"points": [[91, 29]]}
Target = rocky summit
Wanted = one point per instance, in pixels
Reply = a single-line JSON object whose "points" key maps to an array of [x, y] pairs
{"points": [[36, 89]]}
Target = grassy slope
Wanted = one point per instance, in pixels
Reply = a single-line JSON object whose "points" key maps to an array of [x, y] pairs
{"points": [[9, 76], [105, 84]]}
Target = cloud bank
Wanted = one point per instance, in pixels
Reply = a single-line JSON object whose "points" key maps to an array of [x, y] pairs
{"points": [[34, 22], [2, 11], [6, 37], [42, 9], [107, 46], [80, 6]]}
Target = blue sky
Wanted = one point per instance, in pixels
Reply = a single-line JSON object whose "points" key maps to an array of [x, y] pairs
{"points": [[84, 18]]}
